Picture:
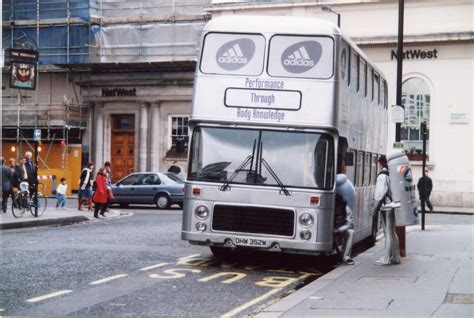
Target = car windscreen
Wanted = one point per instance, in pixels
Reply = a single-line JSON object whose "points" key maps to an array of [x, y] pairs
{"points": [[171, 178], [263, 157]]}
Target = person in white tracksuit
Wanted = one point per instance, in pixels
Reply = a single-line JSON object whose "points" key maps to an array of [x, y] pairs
{"points": [[382, 202]]}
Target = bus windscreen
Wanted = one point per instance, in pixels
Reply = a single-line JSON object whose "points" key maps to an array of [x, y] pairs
{"points": [[262, 157]]}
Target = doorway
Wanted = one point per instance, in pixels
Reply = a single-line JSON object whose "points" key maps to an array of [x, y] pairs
{"points": [[122, 146]]}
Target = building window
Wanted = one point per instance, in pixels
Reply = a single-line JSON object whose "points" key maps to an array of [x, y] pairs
{"points": [[417, 100], [178, 132]]}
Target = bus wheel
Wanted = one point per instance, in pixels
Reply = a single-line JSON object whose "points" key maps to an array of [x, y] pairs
{"points": [[219, 251], [375, 229]]}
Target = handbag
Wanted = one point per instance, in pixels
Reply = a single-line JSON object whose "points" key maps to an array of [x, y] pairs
{"points": [[110, 194]]}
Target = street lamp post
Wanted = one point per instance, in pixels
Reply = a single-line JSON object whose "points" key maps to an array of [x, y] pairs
{"points": [[328, 9]]}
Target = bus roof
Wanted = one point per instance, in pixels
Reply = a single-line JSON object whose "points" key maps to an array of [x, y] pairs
{"points": [[271, 24], [280, 25]]}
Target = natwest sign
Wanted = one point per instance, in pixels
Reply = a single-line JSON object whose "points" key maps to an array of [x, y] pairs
{"points": [[415, 54]]}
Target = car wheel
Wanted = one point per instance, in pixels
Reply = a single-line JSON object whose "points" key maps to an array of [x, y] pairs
{"points": [[123, 205], [162, 201]]}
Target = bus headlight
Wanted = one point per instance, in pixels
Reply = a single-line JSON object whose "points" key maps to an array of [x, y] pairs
{"points": [[305, 235], [306, 219], [201, 226], [202, 212]]}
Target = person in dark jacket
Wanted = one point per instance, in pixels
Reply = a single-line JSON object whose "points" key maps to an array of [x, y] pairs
{"points": [[85, 186], [7, 185], [21, 171], [174, 167], [425, 186], [32, 171], [100, 194]]}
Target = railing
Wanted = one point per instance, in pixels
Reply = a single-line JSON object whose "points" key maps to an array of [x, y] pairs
{"points": [[44, 115]]}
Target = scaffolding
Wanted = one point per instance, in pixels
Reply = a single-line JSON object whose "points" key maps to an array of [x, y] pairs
{"points": [[73, 38]]}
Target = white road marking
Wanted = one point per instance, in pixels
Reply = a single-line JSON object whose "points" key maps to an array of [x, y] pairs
{"points": [[189, 256], [153, 266], [250, 303], [51, 295], [107, 279]]}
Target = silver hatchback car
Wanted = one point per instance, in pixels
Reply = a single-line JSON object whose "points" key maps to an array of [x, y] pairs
{"points": [[161, 189]]}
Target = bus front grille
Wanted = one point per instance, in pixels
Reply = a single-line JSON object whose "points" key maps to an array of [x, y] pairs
{"points": [[255, 220]]}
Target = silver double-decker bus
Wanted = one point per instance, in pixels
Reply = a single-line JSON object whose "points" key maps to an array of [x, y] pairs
{"points": [[280, 106]]}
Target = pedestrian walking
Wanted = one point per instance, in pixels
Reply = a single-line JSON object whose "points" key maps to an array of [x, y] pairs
{"points": [[381, 202], [61, 194], [100, 193], [108, 175], [85, 186], [7, 185], [174, 167], [344, 220], [425, 186]]}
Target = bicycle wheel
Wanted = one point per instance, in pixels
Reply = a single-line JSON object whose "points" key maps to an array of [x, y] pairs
{"points": [[19, 205], [42, 203]]}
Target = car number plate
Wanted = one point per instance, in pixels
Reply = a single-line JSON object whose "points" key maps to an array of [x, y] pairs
{"points": [[246, 241]]}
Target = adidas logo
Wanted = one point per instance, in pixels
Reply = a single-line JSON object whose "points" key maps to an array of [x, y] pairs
{"points": [[300, 57], [233, 55]]}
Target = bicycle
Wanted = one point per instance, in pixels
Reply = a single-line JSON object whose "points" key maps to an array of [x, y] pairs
{"points": [[23, 202]]}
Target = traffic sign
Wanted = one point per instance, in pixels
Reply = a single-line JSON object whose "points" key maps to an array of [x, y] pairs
{"points": [[37, 135]]}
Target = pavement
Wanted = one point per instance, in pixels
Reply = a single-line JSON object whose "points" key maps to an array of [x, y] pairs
{"points": [[434, 280], [51, 216]]}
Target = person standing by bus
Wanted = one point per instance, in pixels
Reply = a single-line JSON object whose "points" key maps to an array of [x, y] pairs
{"points": [[344, 224], [425, 186], [381, 202]]}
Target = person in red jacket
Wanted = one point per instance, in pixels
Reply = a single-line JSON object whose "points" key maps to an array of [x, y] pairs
{"points": [[100, 194]]}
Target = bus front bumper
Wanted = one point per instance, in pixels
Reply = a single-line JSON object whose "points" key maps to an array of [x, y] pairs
{"points": [[274, 244]]}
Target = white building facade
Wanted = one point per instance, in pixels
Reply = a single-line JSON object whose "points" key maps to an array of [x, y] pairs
{"points": [[438, 73]]}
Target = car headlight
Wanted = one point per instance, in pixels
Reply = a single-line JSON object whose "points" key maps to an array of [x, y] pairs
{"points": [[202, 212], [306, 219]]}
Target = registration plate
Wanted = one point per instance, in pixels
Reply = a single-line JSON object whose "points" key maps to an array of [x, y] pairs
{"points": [[246, 241]]}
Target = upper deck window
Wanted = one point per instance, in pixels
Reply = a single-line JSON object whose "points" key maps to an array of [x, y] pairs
{"points": [[354, 81], [233, 54], [301, 57]]}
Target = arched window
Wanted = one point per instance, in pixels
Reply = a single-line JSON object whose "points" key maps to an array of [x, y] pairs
{"points": [[417, 100]]}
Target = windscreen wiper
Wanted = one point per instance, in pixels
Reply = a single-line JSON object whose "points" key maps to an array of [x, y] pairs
{"points": [[274, 175], [242, 166]]}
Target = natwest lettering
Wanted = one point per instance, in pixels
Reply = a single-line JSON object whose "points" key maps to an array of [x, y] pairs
{"points": [[416, 54], [109, 92]]}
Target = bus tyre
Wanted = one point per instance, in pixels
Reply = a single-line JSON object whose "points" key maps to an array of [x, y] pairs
{"points": [[219, 251], [162, 201]]}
